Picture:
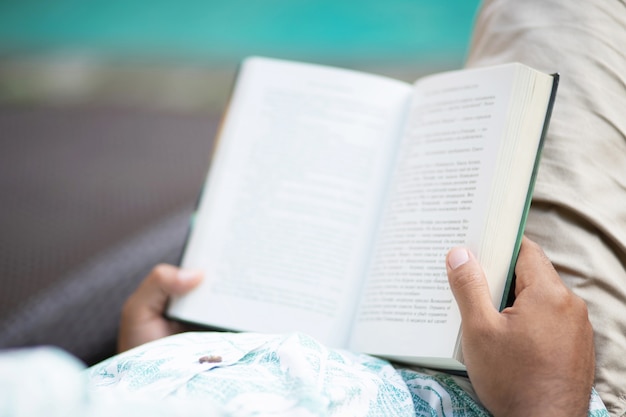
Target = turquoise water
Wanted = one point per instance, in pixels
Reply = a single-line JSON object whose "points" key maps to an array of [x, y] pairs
{"points": [[393, 31]]}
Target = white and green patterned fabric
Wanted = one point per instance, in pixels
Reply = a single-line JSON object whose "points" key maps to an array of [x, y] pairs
{"points": [[226, 374]]}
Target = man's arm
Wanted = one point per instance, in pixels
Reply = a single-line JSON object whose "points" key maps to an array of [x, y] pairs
{"points": [[143, 317], [534, 358]]}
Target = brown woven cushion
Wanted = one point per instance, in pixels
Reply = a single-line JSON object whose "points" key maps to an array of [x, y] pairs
{"points": [[91, 199]]}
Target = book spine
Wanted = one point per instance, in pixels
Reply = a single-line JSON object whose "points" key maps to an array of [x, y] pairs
{"points": [[509, 290]]}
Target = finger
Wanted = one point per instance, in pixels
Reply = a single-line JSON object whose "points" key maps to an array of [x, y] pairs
{"points": [[163, 282], [533, 268], [469, 286]]}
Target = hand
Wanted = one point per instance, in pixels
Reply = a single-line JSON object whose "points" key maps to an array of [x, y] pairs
{"points": [[534, 358], [142, 315]]}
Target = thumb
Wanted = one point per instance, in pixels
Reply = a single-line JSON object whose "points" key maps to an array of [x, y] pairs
{"points": [[469, 285], [163, 282], [186, 280]]}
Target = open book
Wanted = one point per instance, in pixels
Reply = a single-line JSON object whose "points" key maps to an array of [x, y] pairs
{"points": [[334, 196]]}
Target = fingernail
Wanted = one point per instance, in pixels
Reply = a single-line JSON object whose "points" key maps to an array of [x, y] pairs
{"points": [[187, 274], [457, 257]]}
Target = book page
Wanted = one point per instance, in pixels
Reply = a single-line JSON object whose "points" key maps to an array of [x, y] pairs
{"points": [[439, 199], [288, 212]]}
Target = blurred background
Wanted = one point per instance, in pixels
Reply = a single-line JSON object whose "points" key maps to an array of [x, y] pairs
{"points": [[108, 111], [183, 53]]}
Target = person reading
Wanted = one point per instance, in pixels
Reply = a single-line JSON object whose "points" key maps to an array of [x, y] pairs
{"points": [[538, 357], [534, 358]]}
